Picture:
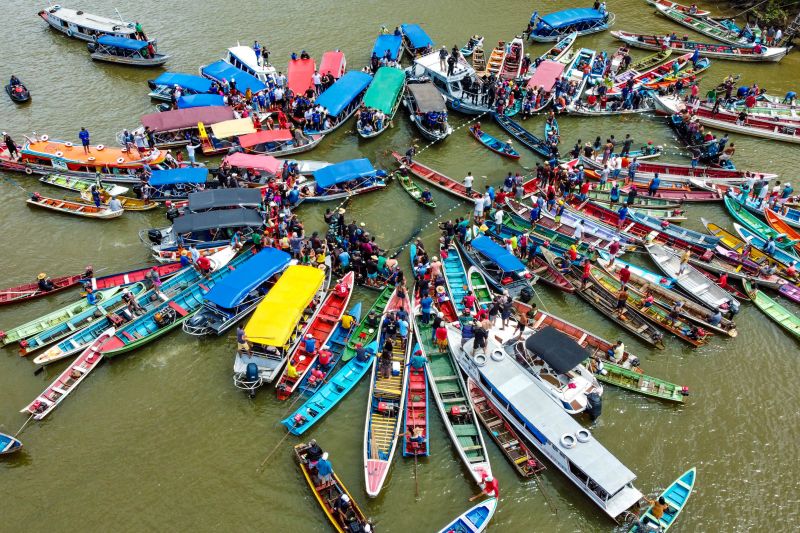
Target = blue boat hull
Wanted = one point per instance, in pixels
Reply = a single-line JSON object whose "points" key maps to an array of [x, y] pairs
{"points": [[676, 496]]}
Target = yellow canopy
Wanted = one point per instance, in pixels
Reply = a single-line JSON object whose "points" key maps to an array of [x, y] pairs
{"points": [[278, 314], [232, 128]]}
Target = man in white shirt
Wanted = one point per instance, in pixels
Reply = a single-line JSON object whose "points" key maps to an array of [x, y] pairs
{"points": [[468, 180], [115, 205], [578, 233], [498, 217], [317, 79], [477, 214]]}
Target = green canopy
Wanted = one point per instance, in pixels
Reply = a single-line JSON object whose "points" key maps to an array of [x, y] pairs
{"points": [[386, 88]]}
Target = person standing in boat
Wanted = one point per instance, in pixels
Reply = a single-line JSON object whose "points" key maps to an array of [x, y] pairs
{"points": [[11, 146], [84, 137]]}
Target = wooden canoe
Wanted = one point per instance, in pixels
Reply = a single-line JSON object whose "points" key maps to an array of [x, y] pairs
{"points": [[71, 183], [413, 190], [128, 203], [365, 331], [676, 496], [415, 414], [711, 50], [526, 138], [737, 210], [703, 25], [473, 520], [29, 291], [73, 208], [680, 7], [479, 286], [134, 276], [775, 311], [779, 225], [9, 444], [437, 179], [549, 275], [502, 148]]}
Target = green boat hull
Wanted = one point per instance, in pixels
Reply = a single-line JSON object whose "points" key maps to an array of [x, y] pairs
{"points": [[361, 334], [754, 224], [775, 311], [643, 384], [479, 287], [160, 332]]}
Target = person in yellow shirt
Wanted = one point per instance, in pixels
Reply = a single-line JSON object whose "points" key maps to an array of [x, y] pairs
{"points": [[658, 507], [347, 322], [291, 371]]}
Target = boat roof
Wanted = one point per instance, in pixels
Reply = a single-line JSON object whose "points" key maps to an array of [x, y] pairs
{"points": [[276, 317], [247, 56], [299, 75], [232, 128], [496, 253], [121, 42], [431, 63], [220, 70], [200, 100], [550, 422], [192, 82], [94, 22], [568, 17], [428, 98], [343, 172], [332, 63], [342, 93], [221, 198], [385, 88], [233, 288], [416, 35], [546, 74], [180, 119], [253, 161], [393, 43], [557, 349], [264, 136], [108, 156], [175, 176], [225, 218]]}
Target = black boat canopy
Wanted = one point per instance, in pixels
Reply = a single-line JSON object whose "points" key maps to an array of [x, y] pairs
{"points": [[557, 349], [227, 218], [223, 198]]}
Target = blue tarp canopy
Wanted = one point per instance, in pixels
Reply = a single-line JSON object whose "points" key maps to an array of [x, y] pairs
{"points": [[568, 17], [393, 43], [343, 172], [121, 42], [229, 292], [339, 95], [191, 82], [220, 70], [416, 35], [174, 176], [200, 100], [497, 254]]}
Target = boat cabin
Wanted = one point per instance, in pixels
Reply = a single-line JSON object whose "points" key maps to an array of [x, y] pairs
{"points": [[340, 101], [244, 58], [344, 179], [223, 135], [222, 72], [415, 40], [179, 127], [503, 268], [277, 142], [161, 88], [459, 88], [85, 26], [388, 47], [199, 100], [333, 63], [213, 226], [176, 183]]}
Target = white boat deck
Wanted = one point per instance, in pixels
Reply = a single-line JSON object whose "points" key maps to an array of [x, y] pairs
{"points": [[92, 22]]}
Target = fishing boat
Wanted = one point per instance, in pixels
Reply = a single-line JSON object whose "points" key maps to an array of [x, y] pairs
{"points": [[543, 82], [725, 261], [786, 257], [367, 330], [69, 379], [79, 185], [474, 520], [162, 87], [414, 190], [278, 142], [456, 84], [676, 496], [712, 50], [575, 75], [415, 41], [476, 41], [29, 291], [691, 236], [645, 205], [86, 26], [452, 400], [526, 138], [278, 326], [775, 311], [692, 281], [455, 276], [780, 224], [496, 59], [384, 405], [437, 179], [755, 253], [554, 26], [340, 101], [738, 210], [504, 271], [416, 439], [427, 108], [125, 51], [652, 75], [388, 46], [300, 74], [320, 329], [502, 148], [18, 93], [559, 50], [328, 495], [235, 296], [511, 69], [704, 25], [128, 204], [479, 286], [384, 94], [9, 444], [343, 180]]}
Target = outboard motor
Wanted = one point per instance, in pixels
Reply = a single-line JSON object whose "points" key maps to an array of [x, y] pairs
{"points": [[526, 294], [154, 235], [251, 373], [595, 405]]}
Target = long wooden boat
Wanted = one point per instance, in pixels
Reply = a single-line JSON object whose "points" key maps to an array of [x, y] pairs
{"points": [[502, 148], [479, 286], [725, 261], [690, 236], [712, 50], [320, 329], [502, 433], [73, 208], [413, 190], [737, 244], [128, 204], [649, 276], [130, 277], [455, 276], [682, 173], [690, 196], [640, 66], [603, 197], [574, 74], [384, 405], [328, 494], [366, 331], [688, 10], [549, 275], [71, 183], [686, 75], [513, 226], [437, 179], [496, 58], [386, 94], [69, 379], [703, 25], [652, 75], [559, 50], [29, 291], [676, 496], [416, 436], [9, 444], [473, 520], [783, 240], [452, 399], [174, 254], [790, 291], [512, 61], [775, 311], [526, 138], [692, 281], [782, 227], [785, 257]]}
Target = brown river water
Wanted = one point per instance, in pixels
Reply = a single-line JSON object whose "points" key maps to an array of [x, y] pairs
{"points": [[160, 440]]}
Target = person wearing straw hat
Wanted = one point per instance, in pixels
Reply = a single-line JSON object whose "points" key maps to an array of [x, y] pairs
{"points": [[44, 283]]}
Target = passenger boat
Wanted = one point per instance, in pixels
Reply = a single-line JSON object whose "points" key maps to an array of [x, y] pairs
{"points": [[511, 68], [79, 185], [457, 87], [220, 199], [343, 180], [415, 41], [300, 74], [9, 444], [73, 208], [690, 236], [334, 63], [775, 311], [367, 330], [704, 25], [782, 227], [554, 26], [543, 80], [692, 281], [278, 326], [676, 496], [193, 100], [69, 379], [504, 271], [414, 190], [278, 142], [124, 51], [388, 46], [712, 50], [263, 167], [86, 26], [341, 100], [476, 41], [177, 183], [320, 329], [502, 148], [162, 87], [221, 137], [171, 313], [18, 93], [235, 296], [574, 74], [233, 69], [452, 399], [330, 494], [455, 276], [384, 404], [496, 59], [737, 210], [174, 128], [474, 520], [437, 179], [415, 414], [385, 93], [427, 109], [526, 138]]}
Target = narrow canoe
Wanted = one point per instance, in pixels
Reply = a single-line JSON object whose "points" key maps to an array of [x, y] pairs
{"points": [[603, 196], [9, 444], [712, 50], [680, 7], [366, 331], [79, 185], [694, 237], [415, 414], [414, 190], [29, 291], [502, 148], [130, 277], [734, 243], [775, 311], [676, 496], [73, 208], [455, 275], [782, 239], [703, 25], [128, 204], [651, 277], [437, 179], [549, 275], [717, 279], [787, 257], [475, 520], [790, 291], [479, 286], [526, 138], [779, 225]]}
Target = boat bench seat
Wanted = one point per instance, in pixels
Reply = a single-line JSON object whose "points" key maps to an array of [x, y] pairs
{"points": [[465, 431], [472, 448], [701, 288], [131, 337]]}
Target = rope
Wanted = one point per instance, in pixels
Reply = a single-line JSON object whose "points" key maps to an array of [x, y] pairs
{"points": [[13, 182], [466, 123], [23, 426], [258, 470]]}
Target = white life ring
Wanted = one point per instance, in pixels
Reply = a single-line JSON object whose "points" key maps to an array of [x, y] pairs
{"points": [[120, 160], [68, 144], [44, 138], [100, 147], [568, 441], [479, 360], [59, 153], [28, 171], [123, 150], [70, 33], [497, 355], [583, 435], [90, 158]]}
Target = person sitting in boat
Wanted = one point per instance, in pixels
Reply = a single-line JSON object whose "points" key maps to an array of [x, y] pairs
{"points": [[14, 81], [44, 283]]}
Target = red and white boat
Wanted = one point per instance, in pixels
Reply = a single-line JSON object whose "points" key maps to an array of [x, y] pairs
{"points": [[674, 172], [134, 276], [437, 179], [652, 75], [69, 379], [320, 329]]}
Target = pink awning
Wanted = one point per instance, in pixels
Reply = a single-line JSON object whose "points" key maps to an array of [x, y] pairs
{"points": [[179, 119], [264, 136], [546, 75], [267, 163], [332, 62]]}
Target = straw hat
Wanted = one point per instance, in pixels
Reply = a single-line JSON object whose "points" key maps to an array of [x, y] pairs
{"points": [[41, 276], [440, 289]]}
